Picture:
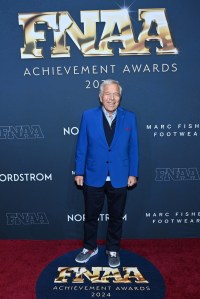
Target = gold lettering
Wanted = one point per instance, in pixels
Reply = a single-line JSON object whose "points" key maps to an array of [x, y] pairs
{"points": [[31, 37], [111, 273], [93, 277], [156, 17], [137, 275], [63, 25], [64, 272], [121, 19], [84, 42]]}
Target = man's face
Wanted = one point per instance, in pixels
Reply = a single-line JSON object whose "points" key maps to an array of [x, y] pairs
{"points": [[110, 98]]}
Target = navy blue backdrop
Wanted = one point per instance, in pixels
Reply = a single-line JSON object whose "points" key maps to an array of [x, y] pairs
{"points": [[48, 79]]}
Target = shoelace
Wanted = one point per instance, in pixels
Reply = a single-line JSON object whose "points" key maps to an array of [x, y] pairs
{"points": [[113, 254], [84, 251]]}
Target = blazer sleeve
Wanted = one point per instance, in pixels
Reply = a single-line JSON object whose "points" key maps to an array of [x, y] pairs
{"points": [[81, 147], [133, 149]]}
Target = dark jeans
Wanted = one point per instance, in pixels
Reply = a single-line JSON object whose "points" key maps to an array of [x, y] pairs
{"points": [[94, 201]]}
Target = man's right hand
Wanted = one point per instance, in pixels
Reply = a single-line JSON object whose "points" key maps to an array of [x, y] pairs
{"points": [[79, 180]]}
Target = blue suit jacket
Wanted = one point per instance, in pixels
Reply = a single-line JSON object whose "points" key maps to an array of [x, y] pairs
{"points": [[94, 157]]}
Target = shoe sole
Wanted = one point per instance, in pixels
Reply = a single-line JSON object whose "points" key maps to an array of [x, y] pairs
{"points": [[91, 255], [111, 266]]}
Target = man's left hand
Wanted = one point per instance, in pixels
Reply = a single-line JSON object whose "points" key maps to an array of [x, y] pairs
{"points": [[132, 180]]}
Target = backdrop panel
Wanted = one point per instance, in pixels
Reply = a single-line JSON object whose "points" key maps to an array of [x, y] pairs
{"points": [[54, 55]]}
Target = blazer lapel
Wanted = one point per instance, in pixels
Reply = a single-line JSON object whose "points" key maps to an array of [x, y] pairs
{"points": [[100, 128]]}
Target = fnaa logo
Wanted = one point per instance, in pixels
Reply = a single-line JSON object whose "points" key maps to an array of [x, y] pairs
{"points": [[100, 275], [63, 27], [177, 174], [21, 132], [26, 218]]}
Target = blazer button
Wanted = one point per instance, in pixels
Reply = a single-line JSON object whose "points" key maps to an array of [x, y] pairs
{"points": [[107, 162], [109, 150]]}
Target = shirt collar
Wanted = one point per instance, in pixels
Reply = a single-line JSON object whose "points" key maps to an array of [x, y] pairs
{"points": [[107, 113]]}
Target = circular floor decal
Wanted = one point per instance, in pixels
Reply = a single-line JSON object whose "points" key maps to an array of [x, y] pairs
{"points": [[135, 278]]}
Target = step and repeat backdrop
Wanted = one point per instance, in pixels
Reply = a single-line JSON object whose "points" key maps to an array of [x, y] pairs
{"points": [[54, 55]]}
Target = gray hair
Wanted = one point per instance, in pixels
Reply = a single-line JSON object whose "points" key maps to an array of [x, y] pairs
{"points": [[107, 82]]}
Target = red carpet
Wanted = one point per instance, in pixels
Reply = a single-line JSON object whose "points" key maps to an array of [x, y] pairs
{"points": [[178, 261]]}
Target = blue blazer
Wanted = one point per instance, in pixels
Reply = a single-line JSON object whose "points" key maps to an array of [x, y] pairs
{"points": [[94, 157]]}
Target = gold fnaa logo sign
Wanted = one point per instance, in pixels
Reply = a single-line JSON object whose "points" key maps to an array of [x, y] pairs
{"points": [[99, 275], [63, 26]]}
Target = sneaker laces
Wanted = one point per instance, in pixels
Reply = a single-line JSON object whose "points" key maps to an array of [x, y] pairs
{"points": [[84, 251], [113, 254]]}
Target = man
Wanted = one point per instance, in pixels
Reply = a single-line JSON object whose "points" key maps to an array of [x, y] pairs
{"points": [[106, 163]]}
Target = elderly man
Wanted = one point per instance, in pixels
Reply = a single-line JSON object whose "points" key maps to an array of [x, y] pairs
{"points": [[106, 163]]}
